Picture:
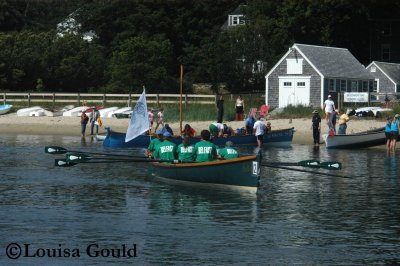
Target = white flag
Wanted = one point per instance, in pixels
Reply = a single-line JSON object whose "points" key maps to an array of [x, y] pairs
{"points": [[139, 122]]}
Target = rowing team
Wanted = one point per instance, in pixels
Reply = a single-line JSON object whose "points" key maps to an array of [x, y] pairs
{"points": [[203, 151]]}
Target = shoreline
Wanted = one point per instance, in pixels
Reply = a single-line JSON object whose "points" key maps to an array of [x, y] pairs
{"points": [[70, 126]]}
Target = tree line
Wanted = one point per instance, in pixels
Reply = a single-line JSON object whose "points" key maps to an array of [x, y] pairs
{"points": [[143, 43]]}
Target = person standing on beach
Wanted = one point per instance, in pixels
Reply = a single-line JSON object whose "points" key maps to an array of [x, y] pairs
{"points": [[151, 119], [329, 107], [84, 121], [220, 108], [204, 150], [259, 128], [316, 126], [93, 119], [160, 118], [239, 108]]}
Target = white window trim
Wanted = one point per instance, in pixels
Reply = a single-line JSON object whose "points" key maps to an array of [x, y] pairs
{"points": [[334, 85], [297, 65]]}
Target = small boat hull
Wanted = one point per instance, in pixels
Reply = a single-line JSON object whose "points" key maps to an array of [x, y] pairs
{"points": [[354, 141], [5, 108], [27, 111], [242, 172], [277, 138]]}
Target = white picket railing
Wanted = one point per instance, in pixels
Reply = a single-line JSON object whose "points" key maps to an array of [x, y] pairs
{"points": [[103, 98]]}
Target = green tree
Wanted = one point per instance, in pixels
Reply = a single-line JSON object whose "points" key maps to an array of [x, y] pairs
{"points": [[141, 61]]}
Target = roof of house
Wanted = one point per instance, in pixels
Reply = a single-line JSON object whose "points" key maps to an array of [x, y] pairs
{"points": [[390, 69], [334, 62], [238, 11]]}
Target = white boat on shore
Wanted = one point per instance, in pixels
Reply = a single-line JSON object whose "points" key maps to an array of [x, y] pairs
{"points": [[39, 112], [364, 139], [27, 111], [124, 110], [5, 108], [77, 111], [104, 112]]}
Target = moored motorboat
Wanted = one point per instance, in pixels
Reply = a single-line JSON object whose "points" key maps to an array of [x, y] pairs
{"points": [[5, 108], [364, 139], [242, 172], [276, 138]]}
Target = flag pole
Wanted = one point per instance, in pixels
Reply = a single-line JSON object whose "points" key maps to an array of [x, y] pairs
{"points": [[180, 102]]}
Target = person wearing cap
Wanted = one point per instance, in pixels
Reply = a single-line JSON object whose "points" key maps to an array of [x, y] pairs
{"points": [[316, 126], [394, 132], [185, 150], [154, 142], [166, 150], [343, 119], [329, 107], [228, 152], [204, 150]]}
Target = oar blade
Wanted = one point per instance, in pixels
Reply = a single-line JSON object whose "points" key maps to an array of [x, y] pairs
{"points": [[331, 165], [63, 163], [309, 163], [77, 157], [55, 150]]}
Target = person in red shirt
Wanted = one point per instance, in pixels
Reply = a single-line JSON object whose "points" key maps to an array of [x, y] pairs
{"points": [[188, 130]]}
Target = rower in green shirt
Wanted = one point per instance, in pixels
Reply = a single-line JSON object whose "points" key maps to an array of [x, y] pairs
{"points": [[185, 150], [228, 152], [154, 142], [205, 151], [166, 150]]}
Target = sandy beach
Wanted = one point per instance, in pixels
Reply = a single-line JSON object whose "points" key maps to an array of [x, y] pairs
{"points": [[70, 126]]}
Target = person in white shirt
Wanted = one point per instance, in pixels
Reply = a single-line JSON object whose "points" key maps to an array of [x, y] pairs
{"points": [[329, 107], [259, 128], [160, 119]]}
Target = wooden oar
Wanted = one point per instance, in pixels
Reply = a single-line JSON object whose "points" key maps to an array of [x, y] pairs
{"points": [[75, 158], [304, 171], [308, 163], [61, 150]]}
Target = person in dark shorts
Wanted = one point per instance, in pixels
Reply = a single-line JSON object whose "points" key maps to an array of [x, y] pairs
{"points": [[316, 126], [388, 128]]}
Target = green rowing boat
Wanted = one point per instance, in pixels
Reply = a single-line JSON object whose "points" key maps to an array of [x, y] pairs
{"points": [[242, 172]]}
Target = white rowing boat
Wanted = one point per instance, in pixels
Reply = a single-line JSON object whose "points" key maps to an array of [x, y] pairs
{"points": [[364, 139]]}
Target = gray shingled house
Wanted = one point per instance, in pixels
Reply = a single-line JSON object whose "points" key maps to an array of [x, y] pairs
{"points": [[307, 74], [387, 76]]}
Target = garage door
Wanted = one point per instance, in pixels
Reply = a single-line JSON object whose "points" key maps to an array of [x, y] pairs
{"points": [[294, 91]]}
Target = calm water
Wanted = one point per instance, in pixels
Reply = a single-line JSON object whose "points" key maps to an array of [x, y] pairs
{"points": [[296, 218]]}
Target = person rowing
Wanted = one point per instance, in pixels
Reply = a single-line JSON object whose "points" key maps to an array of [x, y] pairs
{"points": [[154, 143], [228, 152], [204, 150], [165, 150], [186, 150]]}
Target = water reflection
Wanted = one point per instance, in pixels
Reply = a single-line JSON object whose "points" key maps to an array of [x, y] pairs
{"points": [[296, 217]]}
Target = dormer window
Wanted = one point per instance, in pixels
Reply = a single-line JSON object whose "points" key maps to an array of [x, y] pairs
{"points": [[373, 69], [235, 20]]}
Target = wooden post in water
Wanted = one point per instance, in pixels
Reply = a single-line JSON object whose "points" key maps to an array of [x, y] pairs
{"points": [[180, 102]]}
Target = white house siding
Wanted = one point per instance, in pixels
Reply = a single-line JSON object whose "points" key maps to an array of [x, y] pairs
{"points": [[281, 71], [385, 84]]}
